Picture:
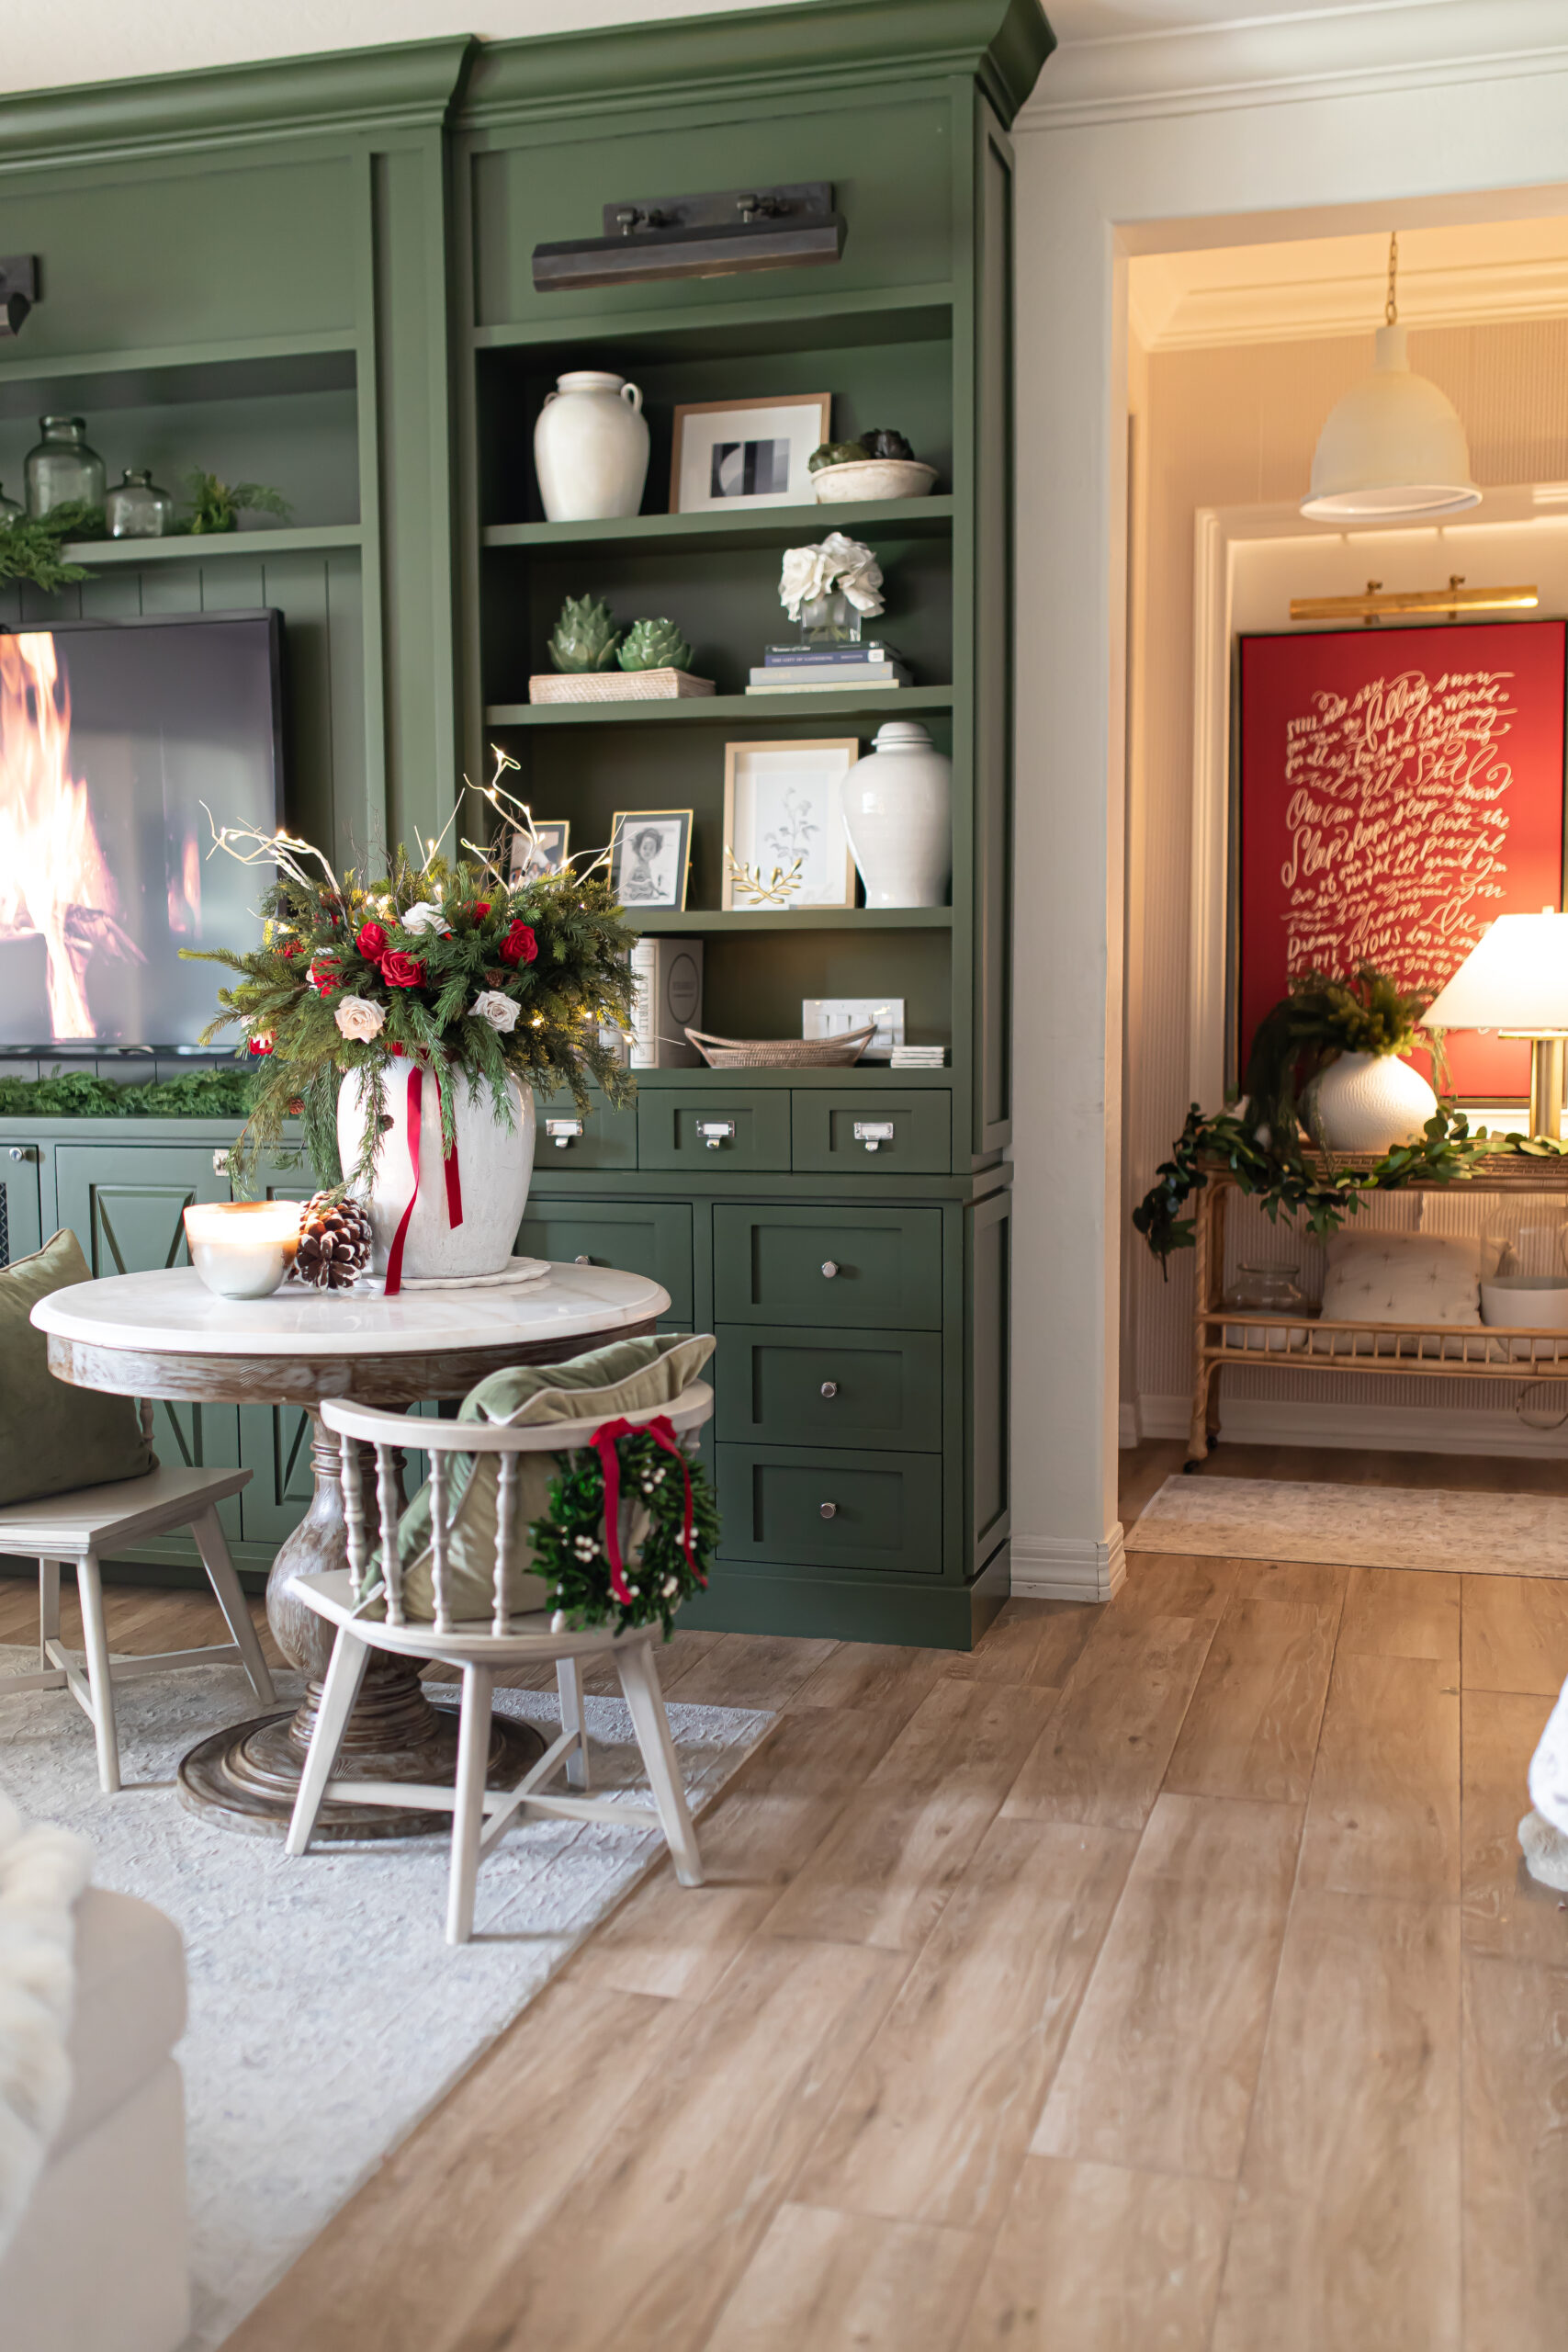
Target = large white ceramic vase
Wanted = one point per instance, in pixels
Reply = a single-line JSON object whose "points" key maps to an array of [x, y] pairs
{"points": [[591, 448], [898, 815], [494, 1165], [1373, 1102]]}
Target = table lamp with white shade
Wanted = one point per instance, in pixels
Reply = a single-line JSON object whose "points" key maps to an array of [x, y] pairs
{"points": [[1514, 981]]}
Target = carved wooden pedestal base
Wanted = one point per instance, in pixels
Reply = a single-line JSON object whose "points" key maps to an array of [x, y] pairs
{"points": [[248, 1777]]}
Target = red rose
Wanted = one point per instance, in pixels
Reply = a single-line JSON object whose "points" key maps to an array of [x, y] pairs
{"points": [[263, 1044], [372, 942], [519, 946], [397, 1050], [481, 909], [401, 971], [290, 947]]}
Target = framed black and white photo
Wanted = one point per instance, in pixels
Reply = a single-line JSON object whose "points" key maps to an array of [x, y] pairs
{"points": [[746, 453], [784, 801], [545, 852], [651, 852]]}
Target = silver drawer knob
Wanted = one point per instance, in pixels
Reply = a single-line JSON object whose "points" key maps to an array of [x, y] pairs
{"points": [[17, 1152], [582, 1261], [830, 1388], [828, 1511], [830, 1268]]}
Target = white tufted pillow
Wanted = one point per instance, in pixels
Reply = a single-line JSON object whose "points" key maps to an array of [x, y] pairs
{"points": [[1401, 1278]]}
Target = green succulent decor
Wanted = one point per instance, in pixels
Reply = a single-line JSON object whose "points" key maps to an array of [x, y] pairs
{"points": [[216, 506], [585, 637], [834, 453], [654, 645]]}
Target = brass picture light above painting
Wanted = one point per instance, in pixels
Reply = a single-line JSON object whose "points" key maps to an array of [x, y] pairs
{"points": [[1397, 789], [646, 239]]}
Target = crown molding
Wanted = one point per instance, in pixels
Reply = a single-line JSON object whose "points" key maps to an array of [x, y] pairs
{"points": [[1293, 310], [1201, 69], [813, 44], [407, 85]]}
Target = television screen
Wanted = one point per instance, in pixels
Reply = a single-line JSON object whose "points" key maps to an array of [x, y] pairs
{"points": [[115, 739]]}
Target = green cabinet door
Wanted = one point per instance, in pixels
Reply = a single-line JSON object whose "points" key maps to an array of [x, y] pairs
{"points": [[818, 1508], [651, 1237], [126, 1204], [599, 1138], [742, 1130], [816, 1388], [21, 1230], [872, 1135], [837, 1267]]}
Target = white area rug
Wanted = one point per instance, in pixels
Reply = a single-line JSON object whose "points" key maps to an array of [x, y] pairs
{"points": [[327, 2015], [1369, 1527]]}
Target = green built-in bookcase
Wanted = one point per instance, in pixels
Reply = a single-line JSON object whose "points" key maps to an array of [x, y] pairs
{"points": [[317, 274]]}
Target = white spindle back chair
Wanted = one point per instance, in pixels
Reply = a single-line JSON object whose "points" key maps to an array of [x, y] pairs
{"points": [[481, 1648]]}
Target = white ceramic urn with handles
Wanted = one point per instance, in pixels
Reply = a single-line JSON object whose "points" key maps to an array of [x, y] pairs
{"points": [[898, 815], [591, 448]]}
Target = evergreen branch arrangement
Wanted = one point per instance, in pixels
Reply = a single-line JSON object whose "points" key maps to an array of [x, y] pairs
{"points": [[31, 545], [442, 965], [568, 1543], [78, 1095], [1312, 1025]]}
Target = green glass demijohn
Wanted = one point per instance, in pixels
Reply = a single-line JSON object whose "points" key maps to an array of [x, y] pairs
{"points": [[62, 468]]}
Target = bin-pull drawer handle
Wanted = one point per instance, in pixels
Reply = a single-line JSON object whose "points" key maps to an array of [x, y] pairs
{"points": [[715, 1133], [830, 1388], [564, 1133], [827, 1510], [874, 1133], [830, 1268]]}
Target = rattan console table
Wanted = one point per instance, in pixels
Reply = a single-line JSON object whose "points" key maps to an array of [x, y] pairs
{"points": [[1396, 1351]]}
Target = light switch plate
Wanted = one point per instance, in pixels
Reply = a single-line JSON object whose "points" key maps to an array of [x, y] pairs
{"points": [[833, 1016]]}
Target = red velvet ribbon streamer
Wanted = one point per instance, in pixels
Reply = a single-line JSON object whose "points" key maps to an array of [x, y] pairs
{"points": [[453, 1185], [662, 1431]]}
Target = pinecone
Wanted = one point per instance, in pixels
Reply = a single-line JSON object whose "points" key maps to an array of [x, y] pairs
{"points": [[585, 637], [335, 1243], [654, 645]]}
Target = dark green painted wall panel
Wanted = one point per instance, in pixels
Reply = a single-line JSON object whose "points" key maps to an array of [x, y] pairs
{"points": [[990, 1389]]}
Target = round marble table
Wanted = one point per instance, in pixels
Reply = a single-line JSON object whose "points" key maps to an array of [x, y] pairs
{"points": [[164, 1335]]}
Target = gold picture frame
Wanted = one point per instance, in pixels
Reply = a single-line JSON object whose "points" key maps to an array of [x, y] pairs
{"points": [[768, 821], [704, 455]]}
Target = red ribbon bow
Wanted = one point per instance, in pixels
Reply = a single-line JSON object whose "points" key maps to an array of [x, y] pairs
{"points": [[453, 1185], [662, 1431]]}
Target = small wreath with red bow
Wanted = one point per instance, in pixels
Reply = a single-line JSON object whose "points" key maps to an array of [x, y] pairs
{"points": [[577, 1546]]}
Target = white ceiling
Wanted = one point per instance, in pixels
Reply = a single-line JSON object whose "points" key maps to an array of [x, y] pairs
{"points": [[1081, 20]]}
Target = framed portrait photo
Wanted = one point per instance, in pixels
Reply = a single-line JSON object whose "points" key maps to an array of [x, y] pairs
{"points": [[650, 855], [546, 853], [746, 453], [783, 801]]}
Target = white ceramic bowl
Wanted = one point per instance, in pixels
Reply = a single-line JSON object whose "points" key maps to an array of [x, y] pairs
{"points": [[873, 478], [1525, 1302]]}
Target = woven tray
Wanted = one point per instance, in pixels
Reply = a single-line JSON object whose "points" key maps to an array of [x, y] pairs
{"points": [[782, 1053], [617, 685]]}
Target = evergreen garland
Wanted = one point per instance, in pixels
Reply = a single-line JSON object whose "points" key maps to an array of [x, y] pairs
{"points": [[568, 1543], [79, 1094]]}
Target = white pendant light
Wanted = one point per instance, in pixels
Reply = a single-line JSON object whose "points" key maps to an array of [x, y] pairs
{"points": [[1393, 447]]}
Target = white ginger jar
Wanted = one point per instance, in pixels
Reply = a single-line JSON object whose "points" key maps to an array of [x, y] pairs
{"points": [[591, 448], [1373, 1102], [898, 815], [495, 1163]]}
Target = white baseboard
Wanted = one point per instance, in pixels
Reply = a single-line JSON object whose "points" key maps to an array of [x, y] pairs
{"points": [[1415, 1429], [1069, 1567], [1128, 1425]]}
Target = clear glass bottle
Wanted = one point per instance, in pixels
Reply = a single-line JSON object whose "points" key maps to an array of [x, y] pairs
{"points": [[828, 620], [63, 466], [137, 509], [1267, 1290], [9, 509]]}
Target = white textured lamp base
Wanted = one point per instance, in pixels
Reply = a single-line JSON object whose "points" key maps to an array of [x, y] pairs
{"points": [[1545, 1851]]}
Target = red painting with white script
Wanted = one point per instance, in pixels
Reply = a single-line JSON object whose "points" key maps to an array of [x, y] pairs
{"points": [[1399, 788]]}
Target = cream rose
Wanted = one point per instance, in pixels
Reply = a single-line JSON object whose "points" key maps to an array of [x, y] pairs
{"points": [[422, 916], [499, 1010], [357, 1016]]}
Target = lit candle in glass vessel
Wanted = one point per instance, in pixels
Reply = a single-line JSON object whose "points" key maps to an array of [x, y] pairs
{"points": [[242, 1249]]}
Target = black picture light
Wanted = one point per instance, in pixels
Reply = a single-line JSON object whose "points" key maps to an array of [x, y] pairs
{"points": [[18, 290], [699, 236]]}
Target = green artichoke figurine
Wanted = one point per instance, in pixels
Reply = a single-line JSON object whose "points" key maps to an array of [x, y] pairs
{"points": [[654, 645], [585, 637]]}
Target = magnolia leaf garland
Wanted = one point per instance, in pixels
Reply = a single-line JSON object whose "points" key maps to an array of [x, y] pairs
{"points": [[568, 1541]]}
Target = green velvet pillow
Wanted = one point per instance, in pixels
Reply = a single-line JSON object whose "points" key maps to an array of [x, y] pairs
{"points": [[54, 1437], [628, 1376]]}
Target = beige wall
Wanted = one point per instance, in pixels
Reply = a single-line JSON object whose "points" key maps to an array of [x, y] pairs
{"points": [[1236, 427]]}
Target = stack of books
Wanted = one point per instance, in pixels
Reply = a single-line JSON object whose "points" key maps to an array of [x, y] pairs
{"points": [[807, 669], [920, 1058]]}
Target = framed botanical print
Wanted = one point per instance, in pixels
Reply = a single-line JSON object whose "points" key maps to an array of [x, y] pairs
{"points": [[650, 855], [783, 802], [1396, 789], [746, 453]]}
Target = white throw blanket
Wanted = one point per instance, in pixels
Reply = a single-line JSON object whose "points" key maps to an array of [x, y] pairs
{"points": [[42, 1871]]}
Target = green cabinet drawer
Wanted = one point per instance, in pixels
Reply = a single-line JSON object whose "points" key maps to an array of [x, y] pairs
{"points": [[818, 1389], [845, 1511], [602, 1137], [837, 1268], [875, 1135], [651, 1237], [737, 1129], [21, 1225]]}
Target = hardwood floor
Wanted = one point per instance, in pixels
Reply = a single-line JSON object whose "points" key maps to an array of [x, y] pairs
{"points": [[1161, 1976]]}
